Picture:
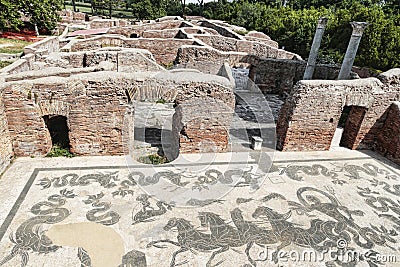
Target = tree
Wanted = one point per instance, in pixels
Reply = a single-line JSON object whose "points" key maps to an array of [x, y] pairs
{"points": [[143, 9], [41, 13], [10, 18], [183, 4]]}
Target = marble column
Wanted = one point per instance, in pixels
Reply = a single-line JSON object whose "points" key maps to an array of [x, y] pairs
{"points": [[358, 29], [312, 58]]}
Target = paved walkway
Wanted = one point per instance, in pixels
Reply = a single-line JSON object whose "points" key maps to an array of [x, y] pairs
{"points": [[109, 211]]}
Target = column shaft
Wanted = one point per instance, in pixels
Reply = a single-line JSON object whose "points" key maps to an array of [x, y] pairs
{"points": [[312, 58]]}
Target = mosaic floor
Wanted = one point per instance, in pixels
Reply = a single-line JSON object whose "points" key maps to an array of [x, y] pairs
{"points": [[337, 208]]}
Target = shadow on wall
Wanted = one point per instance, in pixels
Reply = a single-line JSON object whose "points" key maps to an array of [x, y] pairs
{"points": [[387, 133]]}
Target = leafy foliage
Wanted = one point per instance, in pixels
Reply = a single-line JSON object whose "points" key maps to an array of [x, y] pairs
{"points": [[154, 159], [4, 64], [58, 151], [293, 26], [43, 13]]}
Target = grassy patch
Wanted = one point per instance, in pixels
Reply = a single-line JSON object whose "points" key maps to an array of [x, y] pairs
{"points": [[168, 66], [4, 64], [57, 151], [16, 46], [161, 101], [154, 159], [241, 32]]}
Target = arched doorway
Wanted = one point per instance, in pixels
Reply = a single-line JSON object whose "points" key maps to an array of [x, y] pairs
{"points": [[59, 131]]}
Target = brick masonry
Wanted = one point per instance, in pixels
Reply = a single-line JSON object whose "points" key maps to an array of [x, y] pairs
{"points": [[6, 152], [311, 113], [388, 140], [96, 107]]}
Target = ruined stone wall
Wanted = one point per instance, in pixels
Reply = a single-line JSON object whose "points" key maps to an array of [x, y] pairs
{"points": [[269, 42], [194, 55], [224, 31], [375, 117], [138, 30], [50, 44], [278, 76], [164, 50], [6, 152], [202, 130], [310, 115], [96, 105], [230, 44], [171, 33], [121, 59], [23, 64], [388, 139]]}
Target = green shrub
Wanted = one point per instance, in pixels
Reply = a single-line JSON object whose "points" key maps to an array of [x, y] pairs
{"points": [[161, 101], [57, 151], [154, 159], [4, 64]]}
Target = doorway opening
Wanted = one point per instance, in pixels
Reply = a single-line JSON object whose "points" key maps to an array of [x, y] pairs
{"points": [[349, 126], [59, 131]]}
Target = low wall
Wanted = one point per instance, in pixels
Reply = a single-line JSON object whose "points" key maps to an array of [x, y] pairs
{"points": [[388, 139], [138, 30], [50, 45], [278, 76], [221, 30], [164, 50], [23, 64], [250, 47]]}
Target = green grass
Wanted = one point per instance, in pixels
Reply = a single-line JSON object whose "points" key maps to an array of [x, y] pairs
{"points": [[240, 32], [161, 101], [154, 159], [4, 64], [57, 151], [17, 46]]}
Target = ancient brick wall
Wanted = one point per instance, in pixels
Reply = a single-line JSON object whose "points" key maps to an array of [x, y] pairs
{"points": [[268, 42], [5, 140], [388, 139], [23, 64], [278, 76], [230, 44], [193, 55], [138, 30], [96, 105], [202, 130], [170, 33], [50, 44], [224, 31], [375, 117], [163, 50], [310, 115]]}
